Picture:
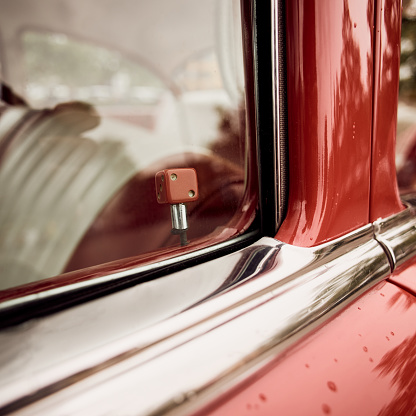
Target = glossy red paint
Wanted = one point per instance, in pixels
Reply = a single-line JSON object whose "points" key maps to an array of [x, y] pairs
{"points": [[385, 198], [405, 276], [329, 88], [362, 362]]}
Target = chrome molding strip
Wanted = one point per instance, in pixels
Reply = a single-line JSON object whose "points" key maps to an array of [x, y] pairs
{"points": [[51, 294], [271, 293], [278, 48], [397, 234]]}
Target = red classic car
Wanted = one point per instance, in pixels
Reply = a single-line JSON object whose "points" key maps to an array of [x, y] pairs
{"points": [[200, 211]]}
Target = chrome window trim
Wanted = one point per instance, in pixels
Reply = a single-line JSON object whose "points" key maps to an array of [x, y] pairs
{"points": [[50, 295], [276, 124], [279, 108], [231, 329], [270, 94]]}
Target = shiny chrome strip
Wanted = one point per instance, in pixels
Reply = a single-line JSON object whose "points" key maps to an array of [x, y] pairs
{"points": [[50, 294], [397, 234], [378, 235], [279, 178], [269, 300]]}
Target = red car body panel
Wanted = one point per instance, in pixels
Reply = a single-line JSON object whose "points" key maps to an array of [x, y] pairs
{"points": [[329, 88], [362, 362], [385, 198]]}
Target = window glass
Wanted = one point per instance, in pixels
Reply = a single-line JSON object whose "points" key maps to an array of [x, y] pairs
{"points": [[59, 68], [110, 93]]}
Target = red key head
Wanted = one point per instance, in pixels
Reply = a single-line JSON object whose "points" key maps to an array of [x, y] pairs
{"points": [[175, 186]]}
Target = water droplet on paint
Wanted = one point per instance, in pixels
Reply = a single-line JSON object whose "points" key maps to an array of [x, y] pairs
{"points": [[332, 386], [263, 398]]}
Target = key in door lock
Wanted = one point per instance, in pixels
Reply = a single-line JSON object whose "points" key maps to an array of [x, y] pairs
{"points": [[177, 187]]}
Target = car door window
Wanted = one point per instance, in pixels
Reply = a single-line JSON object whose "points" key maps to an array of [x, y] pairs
{"points": [[115, 93]]}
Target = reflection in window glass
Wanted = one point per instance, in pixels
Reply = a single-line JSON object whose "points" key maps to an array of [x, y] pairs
{"points": [[59, 68], [200, 73], [107, 109]]}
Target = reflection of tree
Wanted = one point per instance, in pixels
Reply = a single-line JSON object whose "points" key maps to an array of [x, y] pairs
{"points": [[330, 99], [400, 362], [391, 16], [408, 301], [407, 86], [351, 92], [350, 88]]}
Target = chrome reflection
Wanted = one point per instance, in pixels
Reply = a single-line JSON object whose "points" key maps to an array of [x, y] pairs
{"points": [[397, 234], [51, 295], [266, 296], [279, 110]]}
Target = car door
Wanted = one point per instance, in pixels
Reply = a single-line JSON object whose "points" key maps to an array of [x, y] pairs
{"points": [[307, 302]]}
